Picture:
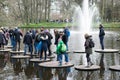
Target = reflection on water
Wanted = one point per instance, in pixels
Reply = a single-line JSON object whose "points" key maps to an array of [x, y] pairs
{"points": [[22, 69]]}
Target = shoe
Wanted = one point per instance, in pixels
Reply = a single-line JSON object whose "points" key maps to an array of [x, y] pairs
{"points": [[60, 63], [66, 63], [40, 58], [87, 66], [91, 64], [44, 59]]}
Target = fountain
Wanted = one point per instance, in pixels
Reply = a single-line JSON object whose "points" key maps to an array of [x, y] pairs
{"points": [[83, 19]]}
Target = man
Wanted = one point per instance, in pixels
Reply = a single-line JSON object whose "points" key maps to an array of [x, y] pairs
{"points": [[27, 40], [17, 35], [101, 36]]}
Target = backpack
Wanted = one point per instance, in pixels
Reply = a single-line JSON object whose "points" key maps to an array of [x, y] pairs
{"points": [[38, 37], [38, 47], [102, 32], [91, 43], [63, 48]]}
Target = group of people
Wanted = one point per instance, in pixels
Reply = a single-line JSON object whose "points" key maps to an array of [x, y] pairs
{"points": [[40, 42]]}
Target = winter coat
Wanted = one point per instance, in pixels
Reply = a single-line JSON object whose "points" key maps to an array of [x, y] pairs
{"points": [[88, 50], [17, 35], [50, 37], [44, 39], [101, 33], [65, 39], [27, 39]]}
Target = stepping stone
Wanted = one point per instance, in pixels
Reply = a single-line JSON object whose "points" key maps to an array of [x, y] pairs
{"points": [[8, 46], [17, 52], [32, 54], [115, 68], [85, 68], [78, 51], [107, 51], [20, 56], [52, 56], [5, 50], [37, 60], [55, 64], [66, 52]]}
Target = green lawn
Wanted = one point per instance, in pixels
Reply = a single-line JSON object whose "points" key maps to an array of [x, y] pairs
{"points": [[112, 24], [61, 25], [48, 25]]}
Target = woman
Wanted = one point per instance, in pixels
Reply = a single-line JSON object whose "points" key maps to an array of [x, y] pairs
{"points": [[88, 49], [44, 47]]}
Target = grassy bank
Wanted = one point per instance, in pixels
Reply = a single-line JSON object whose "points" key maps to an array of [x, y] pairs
{"points": [[61, 25], [47, 24], [112, 24]]}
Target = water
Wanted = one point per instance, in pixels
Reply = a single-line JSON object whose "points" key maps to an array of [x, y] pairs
{"points": [[22, 70], [83, 18]]}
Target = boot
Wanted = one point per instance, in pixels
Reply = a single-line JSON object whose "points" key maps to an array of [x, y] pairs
{"points": [[88, 65], [91, 63]]}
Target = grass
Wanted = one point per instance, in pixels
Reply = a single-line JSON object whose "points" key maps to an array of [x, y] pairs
{"points": [[112, 24], [47, 24], [61, 25]]}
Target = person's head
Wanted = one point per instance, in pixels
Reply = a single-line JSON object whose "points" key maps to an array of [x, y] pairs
{"points": [[87, 36], [100, 26], [42, 29], [61, 33]]}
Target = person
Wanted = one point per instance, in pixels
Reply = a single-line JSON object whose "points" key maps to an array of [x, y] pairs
{"points": [[17, 34], [101, 36], [67, 34], [44, 47], [56, 34], [36, 41], [88, 49], [2, 39], [61, 49], [50, 37], [27, 40], [11, 32]]}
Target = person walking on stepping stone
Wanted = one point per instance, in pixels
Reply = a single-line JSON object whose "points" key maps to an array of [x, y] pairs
{"points": [[88, 49], [101, 36]]}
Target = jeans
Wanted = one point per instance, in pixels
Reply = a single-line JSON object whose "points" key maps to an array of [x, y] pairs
{"points": [[35, 45], [41, 54], [28, 48], [12, 41], [17, 45], [102, 42], [59, 57], [88, 57]]}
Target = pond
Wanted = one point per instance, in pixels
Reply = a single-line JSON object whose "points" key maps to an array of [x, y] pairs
{"points": [[25, 70]]}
